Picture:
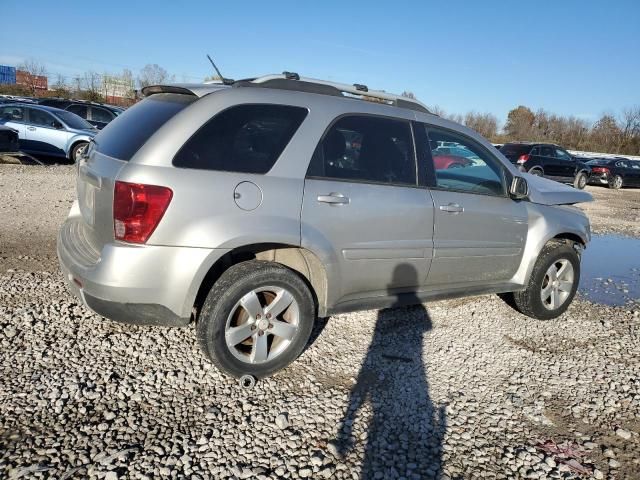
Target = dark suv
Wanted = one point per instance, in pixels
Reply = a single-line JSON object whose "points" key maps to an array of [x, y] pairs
{"points": [[97, 114], [548, 160]]}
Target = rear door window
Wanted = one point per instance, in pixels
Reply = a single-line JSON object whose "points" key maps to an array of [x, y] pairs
{"points": [[80, 110], [245, 138], [129, 131], [101, 115], [546, 152], [562, 155], [366, 149]]}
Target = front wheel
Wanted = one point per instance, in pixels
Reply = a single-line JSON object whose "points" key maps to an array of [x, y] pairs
{"points": [[78, 150], [257, 319], [580, 181], [616, 182], [553, 282]]}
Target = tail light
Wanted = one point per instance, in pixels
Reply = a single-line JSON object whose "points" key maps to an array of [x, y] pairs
{"points": [[599, 170], [137, 210], [523, 159]]}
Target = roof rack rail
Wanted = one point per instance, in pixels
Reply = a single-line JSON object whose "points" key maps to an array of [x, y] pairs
{"points": [[293, 81]]}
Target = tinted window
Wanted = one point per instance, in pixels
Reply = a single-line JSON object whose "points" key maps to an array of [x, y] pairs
{"points": [[80, 110], [101, 115], [370, 149], [546, 151], [535, 151], [634, 164], [622, 164], [73, 121], [40, 118], [245, 138], [466, 174], [123, 137], [12, 114], [598, 161], [562, 155], [515, 149]]}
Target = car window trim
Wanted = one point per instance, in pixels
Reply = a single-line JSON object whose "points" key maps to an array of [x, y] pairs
{"points": [[505, 174], [240, 105], [416, 183]]}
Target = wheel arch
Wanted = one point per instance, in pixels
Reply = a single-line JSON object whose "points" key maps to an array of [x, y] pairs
{"points": [[299, 259]]}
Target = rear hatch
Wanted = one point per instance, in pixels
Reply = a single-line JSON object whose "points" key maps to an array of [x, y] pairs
{"points": [[108, 153], [513, 151]]}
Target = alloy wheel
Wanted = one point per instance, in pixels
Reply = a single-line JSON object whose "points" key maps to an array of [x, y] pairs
{"points": [[557, 284], [262, 324]]}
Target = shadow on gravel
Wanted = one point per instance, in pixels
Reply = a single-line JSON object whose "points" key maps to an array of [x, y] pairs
{"points": [[405, 431]]}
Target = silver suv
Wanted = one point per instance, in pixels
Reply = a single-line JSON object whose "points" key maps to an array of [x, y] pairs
{"points": [[255, 207]]}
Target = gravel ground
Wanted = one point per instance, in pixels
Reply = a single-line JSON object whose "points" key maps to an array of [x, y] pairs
{"points": [[614, 211], [457, 389]]}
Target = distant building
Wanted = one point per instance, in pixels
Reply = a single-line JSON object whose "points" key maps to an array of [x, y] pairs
{"points": [[7, 75], [39, 82], [117, 90]]}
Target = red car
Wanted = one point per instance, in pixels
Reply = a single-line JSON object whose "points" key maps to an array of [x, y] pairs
{"points": [[450, 161]]}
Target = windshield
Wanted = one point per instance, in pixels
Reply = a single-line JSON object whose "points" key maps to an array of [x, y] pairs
{"points": [[74, 121], [124, 136]]}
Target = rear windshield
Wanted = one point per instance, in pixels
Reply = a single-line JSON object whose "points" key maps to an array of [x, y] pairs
{"points": [[514, 149], [124, 136], [598, 161]]}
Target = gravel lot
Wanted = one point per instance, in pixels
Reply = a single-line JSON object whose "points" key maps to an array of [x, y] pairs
{"points": [[461, 389]]}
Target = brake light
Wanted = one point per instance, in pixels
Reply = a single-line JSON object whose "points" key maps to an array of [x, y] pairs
{"points": [[599, 170], [522, 159], [137, 210]]}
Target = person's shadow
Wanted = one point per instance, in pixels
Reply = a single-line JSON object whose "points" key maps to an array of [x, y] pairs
{"points": [[405, 430]]}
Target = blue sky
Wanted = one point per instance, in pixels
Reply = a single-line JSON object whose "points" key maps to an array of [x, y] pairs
{"points": [[566, 56]]}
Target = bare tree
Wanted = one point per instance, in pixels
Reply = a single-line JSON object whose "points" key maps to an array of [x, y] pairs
{"points": [[485, 124], [153, 74], [520, 122], [92, 85], [60, 87], [33, 70]]}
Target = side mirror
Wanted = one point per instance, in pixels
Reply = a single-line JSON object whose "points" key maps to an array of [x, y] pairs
{"points": [[519, 188]]}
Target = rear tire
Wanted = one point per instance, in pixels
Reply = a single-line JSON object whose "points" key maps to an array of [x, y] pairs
{"points": [[615, 182], [536, 171], [236, 329], [580, 181], [535, 301]]}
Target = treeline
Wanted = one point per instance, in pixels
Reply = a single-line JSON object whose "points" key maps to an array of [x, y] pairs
{"points": [[609, 134], [98, 87]]}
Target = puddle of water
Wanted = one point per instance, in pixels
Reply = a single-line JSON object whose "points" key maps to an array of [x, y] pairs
{"points": [[610, 270]]}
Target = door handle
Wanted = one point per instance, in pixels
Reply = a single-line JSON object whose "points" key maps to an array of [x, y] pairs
{"points": [[333, 198], [31, 129], [452, 208]]}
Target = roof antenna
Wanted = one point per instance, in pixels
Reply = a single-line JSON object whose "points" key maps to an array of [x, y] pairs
{"points": [[225, 81]]}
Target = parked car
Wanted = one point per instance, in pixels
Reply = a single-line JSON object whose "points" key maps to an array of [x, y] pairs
{"points": [[47, 130], [615, 172], [548, 160], [8, 140], [97, 114], [233, 207]]}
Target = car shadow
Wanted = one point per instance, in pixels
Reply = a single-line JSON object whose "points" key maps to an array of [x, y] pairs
{"points": [[403, 437]]}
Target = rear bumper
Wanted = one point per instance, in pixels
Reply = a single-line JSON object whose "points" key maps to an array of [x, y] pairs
{"points": [[596, 179], [137, 284]]}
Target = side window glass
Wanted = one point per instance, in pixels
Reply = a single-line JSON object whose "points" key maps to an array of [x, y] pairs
{"points": [[634, 164], [546, 152], [562, 155], [40, 118], [245, 138], [80, 110], [455, 169], [535, 151], [12, 114], [101, 115], [368, 149]]}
